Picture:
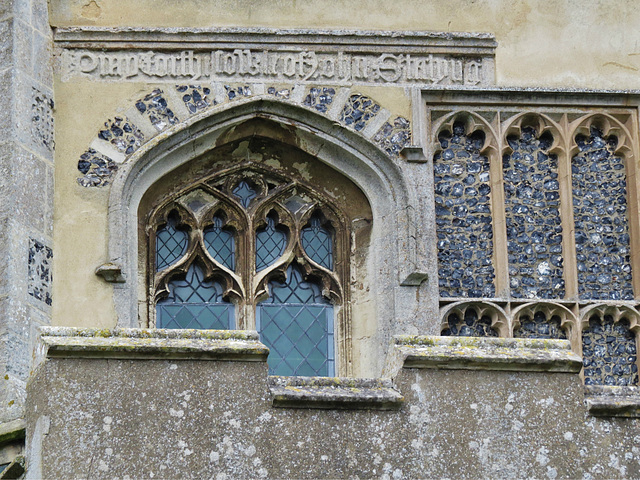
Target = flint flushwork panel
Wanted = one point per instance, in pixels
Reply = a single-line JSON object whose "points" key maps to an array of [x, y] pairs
{"points": [[122, 134], [539, 325], [534, 230], [194, 97], [609, 352], [40, 263], [359, 111], [463, 216], [42, 119], [154, 106], [470, 323], [600, 214]]}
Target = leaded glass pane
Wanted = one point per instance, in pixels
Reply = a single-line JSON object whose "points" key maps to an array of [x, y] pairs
{"points": [[317, 243], [296, 323], [245, 193], [270, 244], [220, 244], [195, 303], [171, 245]]}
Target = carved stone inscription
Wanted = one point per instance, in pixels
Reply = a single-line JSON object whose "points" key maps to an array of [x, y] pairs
{"points": [[247, 65]]}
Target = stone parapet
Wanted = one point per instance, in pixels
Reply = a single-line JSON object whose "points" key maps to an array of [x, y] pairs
{"points": [[102, 392]]}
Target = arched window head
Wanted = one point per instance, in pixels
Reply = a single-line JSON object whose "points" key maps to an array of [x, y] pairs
{"points": [[250, 248]]}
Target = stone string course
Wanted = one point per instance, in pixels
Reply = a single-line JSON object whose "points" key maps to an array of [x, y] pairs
{"points": [[122, 136]]}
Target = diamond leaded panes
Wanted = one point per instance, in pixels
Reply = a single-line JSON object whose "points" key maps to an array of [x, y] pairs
{"points": [[220, 243], [194, 302], [296, 323], [171, 245], [270, 244], [317, 243]]}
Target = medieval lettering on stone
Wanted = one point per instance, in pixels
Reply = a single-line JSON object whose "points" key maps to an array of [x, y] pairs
{"points": [[278, 66]]}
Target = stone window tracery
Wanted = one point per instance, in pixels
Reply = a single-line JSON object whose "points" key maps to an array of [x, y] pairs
{"points": [[252, 249], [558, 219]]}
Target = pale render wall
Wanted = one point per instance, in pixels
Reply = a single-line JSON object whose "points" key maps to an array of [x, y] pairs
{"points": [[559, 43]]}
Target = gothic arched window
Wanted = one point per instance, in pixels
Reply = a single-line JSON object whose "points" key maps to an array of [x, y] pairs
{"points": [[252, 249]]}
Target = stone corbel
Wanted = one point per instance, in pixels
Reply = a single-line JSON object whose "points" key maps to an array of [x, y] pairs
{"points": [[111, 272], [414, 154]]}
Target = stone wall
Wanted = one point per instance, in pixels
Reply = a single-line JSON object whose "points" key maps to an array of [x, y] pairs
{"points": [[26, 191], [144, 404]]}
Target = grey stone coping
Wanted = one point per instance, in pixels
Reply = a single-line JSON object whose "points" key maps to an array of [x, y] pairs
{"points": [[13, 430], [531, 96], [334, 392], [132, 343], [132, 37], [485, 353], [612, 401]]}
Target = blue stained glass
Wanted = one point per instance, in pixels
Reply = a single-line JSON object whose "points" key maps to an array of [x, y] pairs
{"points": [[270, 244], [245, 193], [220, 244], [170, 245], [195, 303], [317, 243], [296, 323]]}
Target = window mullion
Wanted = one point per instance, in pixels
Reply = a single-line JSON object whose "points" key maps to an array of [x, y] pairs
{"points": [[566, 213], [500, 245]]}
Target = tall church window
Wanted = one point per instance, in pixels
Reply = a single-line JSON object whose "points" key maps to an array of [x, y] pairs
{"points": [[252, 249]]}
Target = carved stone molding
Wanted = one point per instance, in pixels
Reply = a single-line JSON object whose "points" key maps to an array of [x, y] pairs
{"points": [[338, 57]]}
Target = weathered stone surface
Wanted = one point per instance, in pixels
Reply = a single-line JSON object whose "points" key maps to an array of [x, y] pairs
{"points": [[126, 343], [345, 393], [265, 55], [613, 401], [486, 353], [106, 418]]}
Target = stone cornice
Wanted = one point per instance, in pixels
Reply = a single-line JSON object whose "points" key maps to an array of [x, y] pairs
{"points": [[321, 40]]}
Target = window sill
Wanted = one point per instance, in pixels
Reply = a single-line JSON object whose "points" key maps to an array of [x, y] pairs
{"points": [[151, 344], [611, 401], [484, 353], [334, 393]]}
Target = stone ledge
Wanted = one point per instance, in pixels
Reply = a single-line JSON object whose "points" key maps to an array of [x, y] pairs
{"points": [[326, 39], [11, 431], [151, 344], [612, 401], [486, 353], [335, 393]]}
